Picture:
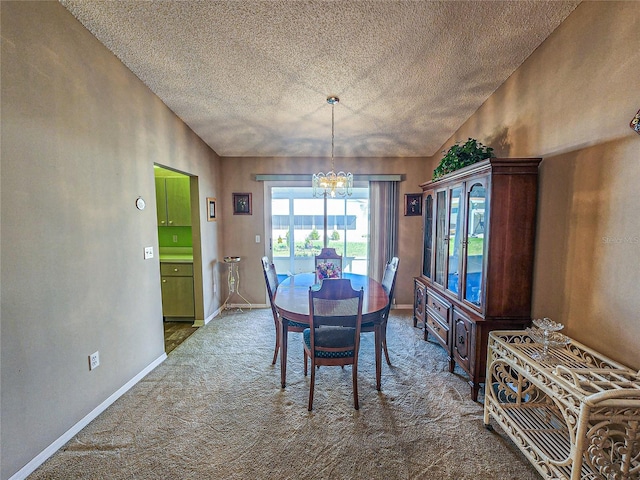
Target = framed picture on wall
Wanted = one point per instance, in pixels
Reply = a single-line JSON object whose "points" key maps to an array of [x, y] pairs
{"points": [[412, 204], [211, 209], [242, 204]]}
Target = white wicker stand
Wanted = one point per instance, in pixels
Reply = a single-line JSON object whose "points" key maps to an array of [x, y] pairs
{"points": [[574, 415]]}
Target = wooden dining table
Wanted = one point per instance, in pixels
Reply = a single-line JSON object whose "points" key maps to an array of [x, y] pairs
{"points": [[292, 302]]}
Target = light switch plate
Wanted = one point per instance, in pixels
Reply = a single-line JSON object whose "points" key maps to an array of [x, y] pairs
{"points": [[257, 238], [148, 252]]}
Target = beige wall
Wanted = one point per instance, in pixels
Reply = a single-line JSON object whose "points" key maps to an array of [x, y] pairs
{"points": [[240, 230], [80, 135], [571, 103]]}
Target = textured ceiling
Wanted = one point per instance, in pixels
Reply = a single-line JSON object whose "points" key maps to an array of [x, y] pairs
{"points": [[251, 77]]}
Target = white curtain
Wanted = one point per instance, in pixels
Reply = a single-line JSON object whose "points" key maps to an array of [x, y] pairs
{"points": [[383, 228]]}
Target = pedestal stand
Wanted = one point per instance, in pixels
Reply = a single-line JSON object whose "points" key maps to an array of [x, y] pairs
{"points": [[233, 281]]}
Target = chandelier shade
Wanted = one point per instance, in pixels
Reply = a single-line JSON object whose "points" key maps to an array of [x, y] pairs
{"points": [[332, 183]]}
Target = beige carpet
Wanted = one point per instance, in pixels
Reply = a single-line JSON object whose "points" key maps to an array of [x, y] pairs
{"points": [[214, 410]]}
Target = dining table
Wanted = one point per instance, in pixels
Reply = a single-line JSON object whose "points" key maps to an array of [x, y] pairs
{"points": [[292, 303]]}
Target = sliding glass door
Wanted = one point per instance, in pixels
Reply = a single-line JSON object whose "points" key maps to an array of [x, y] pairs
{"points": [[298, 229]]}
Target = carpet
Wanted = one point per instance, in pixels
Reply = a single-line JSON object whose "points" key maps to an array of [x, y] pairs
{"points": [[215, 410]]}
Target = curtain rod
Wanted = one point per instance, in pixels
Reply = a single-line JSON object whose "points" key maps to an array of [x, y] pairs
{"points": [[307, 178]]}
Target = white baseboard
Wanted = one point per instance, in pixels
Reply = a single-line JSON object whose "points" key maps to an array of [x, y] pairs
{"points": [[202, 323], [30, 467], [402, 307], [247, 306]]}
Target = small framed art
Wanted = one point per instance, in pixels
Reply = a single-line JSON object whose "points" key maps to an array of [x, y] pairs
{"points": [[242, 204], [412, 204], [211, 209]]}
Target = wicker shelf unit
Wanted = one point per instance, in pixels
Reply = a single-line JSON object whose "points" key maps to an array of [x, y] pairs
{"points": [[575, 414]]}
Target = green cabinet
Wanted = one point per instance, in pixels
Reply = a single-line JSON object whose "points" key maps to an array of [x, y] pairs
{"points": [[177, 289], [173, 199]]}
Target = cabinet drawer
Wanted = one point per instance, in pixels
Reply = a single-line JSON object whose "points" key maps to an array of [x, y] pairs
{"points": [[439, 306], [176, 269], [437, 328]]}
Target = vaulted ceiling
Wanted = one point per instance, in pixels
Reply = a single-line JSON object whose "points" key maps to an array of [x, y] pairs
{"points": [[251, 78]]}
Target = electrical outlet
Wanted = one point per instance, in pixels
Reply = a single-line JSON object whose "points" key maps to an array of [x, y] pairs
{"points": [[175, 239], [94, 360], [257, 238], [148, 252]]}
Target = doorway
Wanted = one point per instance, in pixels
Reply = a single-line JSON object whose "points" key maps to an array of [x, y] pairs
{"points": [[178, 236]]}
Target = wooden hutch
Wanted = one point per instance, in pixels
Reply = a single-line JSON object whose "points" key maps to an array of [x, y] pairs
{"points": [[477, 260]]}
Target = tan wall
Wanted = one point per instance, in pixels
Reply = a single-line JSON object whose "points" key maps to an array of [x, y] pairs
{"points": [[240, 230], [80, 134], [571, 103]]}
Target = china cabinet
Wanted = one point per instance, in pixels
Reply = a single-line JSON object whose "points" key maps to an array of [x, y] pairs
{"points": [[477, 260]]}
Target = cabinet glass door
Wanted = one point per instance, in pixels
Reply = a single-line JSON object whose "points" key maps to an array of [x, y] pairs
{"points": [[475, 242], [428, 235], [441, 237], [455, 237]]}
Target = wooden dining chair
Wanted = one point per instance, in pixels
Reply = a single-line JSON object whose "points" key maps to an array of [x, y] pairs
{"points": [[271, 279], [333, 338], [328, 264], [389, 285]]}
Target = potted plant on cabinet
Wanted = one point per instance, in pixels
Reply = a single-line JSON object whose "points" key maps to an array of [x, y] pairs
{"points": [[461, 155]]}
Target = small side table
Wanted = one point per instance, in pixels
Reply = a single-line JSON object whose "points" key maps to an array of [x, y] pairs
{"points": [[575, 414], [233, 282]]}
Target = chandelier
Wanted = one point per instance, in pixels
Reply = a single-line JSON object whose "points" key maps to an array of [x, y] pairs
{"points": [[332, 183]]}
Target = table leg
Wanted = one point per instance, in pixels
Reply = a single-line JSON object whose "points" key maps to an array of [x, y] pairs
{"points": [[378, 349], [283, 351]]}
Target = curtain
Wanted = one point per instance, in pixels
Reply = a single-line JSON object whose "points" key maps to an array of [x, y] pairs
{"points": [[383, 226]]}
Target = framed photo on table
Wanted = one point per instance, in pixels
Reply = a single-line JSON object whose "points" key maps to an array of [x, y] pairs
{"points": [[211, 209], [242, 204], [412, 204]]}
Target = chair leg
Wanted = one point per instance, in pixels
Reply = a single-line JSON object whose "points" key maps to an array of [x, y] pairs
{"points": [[275, 352], [354, 369], [305, 363], [312, 385], [384, 343]]}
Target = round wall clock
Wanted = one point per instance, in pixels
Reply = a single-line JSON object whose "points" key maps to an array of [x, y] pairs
{"points": [[140, 203]]}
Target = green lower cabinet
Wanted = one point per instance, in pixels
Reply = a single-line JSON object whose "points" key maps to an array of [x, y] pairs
{"points": [[177, 290]]}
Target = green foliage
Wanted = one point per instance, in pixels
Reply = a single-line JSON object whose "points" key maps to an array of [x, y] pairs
{"points": [[314, 235], [461, 155], [335, 235]]}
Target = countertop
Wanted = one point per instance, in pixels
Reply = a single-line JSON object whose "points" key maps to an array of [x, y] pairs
{"points": [[176, 258], [176, 254]]}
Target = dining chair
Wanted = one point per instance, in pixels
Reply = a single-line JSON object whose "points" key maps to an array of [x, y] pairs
{"points": [[389, 285], [333, 336], [271, 279], [328, 264]]}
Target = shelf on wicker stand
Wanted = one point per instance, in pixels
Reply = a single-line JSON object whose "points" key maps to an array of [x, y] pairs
{"points": [[575, 414]]}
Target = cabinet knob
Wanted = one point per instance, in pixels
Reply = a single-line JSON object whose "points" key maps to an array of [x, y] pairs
{"points": [[162, 221], [170, 222], [164, 281], [175, 269]]}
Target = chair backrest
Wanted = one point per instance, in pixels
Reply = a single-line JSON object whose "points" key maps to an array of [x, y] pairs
{"points": [[271, 279], [336, 303], [389, 279], [328, 264]]}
